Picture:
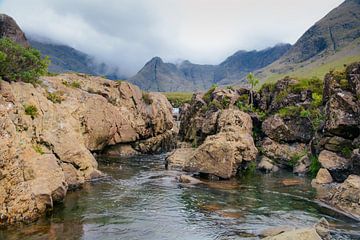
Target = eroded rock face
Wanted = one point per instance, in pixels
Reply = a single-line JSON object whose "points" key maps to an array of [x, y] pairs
{"points": [[45, 146], [288, 130]]}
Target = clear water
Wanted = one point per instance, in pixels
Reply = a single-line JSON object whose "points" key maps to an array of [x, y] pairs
{"points": [[141, 200]]}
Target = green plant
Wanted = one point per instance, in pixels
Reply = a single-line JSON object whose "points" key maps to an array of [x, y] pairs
{"points": [[31, 110], [207, 95], [346, 152], [18, 63], [250, 169], [253, 82], [225, 102], [290, 111], [344, 84], [316, 100], [38, 149], [55, 97], [314, 166], [146, 98], [230, 88], [178, 98], [75, 84], [295, 158]]}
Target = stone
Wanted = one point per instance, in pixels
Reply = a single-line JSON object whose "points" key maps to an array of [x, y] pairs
{"points": [[43, 156], [282, 153], [275, 231], [125, 150], [346, 197], [323, 177], [294, 129], [299, 234], [266, 165], [355, 160], [338, 167], [189, 180], [302, 165], [342, 115], [177, 158]]}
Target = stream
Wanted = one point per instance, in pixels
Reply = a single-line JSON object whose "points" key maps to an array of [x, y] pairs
{"points": [[139, 199]]}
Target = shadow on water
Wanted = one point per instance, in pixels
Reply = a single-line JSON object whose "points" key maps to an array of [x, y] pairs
{"points": [[140, 200]]}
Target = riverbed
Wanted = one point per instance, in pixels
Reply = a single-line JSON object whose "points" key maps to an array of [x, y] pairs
{"points": [[139, 199]]}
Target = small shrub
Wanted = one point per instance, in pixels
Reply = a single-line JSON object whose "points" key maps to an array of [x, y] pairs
{"points": [[38, 149], [31, 110], [290, 111], [225, 102], [346, 152], [281, 96], [55, 97], [294, 159], [18, 63], [75, 84], [146, 98], [215, 104], [344, 84], [316, 100], [207, 95], [270, 86], [314, 166]]}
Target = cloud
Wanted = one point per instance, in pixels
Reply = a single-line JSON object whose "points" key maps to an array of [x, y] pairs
{"points": [[128, 33]]}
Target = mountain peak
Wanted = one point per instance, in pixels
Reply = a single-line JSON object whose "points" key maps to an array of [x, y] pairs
{"points": [[10, 29]]}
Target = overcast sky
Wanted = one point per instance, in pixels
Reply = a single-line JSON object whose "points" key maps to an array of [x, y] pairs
{"points": [[127, 33]]}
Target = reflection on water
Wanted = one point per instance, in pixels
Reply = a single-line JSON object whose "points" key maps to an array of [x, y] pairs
{"points": [[141, 200]]}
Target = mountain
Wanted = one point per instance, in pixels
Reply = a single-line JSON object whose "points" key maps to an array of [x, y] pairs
{"points": [[66, 59], [10, 29], [159, 76], [330, 43]]}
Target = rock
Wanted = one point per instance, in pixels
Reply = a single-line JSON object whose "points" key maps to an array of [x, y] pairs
{"points": [[222, 153], [161, 143], [355, 160], [295, 129], [283, 153], [275, 231], [346, 197], [44, 155], [322, 228], [299, 234], [338, 167], [125, 150], [353, 75], [336, 144], [342, 115], [323, 177], [266, 165], [302, 165], [10, 29], [176, 159], [188, 179], [292, 182]]}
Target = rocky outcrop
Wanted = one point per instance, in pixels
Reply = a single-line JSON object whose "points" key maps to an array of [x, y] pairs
{"points": [[48, 133], [294, 129], [339, 167], [10, 29], [346, 196], [222, 153]]}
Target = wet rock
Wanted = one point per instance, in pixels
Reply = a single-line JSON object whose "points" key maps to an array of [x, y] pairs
{"points": [[189, 180], [299, 234], [336, 144], [176, 159], [322, 177], [161, 143], [266, 165], [293, 129], [346, 197], [338, 167], [302, 165], [322, 228], [273, 231], [292, 182], [120, 150]]}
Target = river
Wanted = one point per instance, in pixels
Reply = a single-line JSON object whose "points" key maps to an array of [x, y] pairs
{"points": [[139, 199]]}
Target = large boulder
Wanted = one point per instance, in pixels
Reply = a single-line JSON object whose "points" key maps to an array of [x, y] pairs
{"points": [[346, 196], [48, 134], [284, 154], [342, 115], [338, 166], [222, 153], [294, 129]]}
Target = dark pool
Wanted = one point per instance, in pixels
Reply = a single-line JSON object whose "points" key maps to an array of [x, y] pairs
{"points": [[141, 200]]}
